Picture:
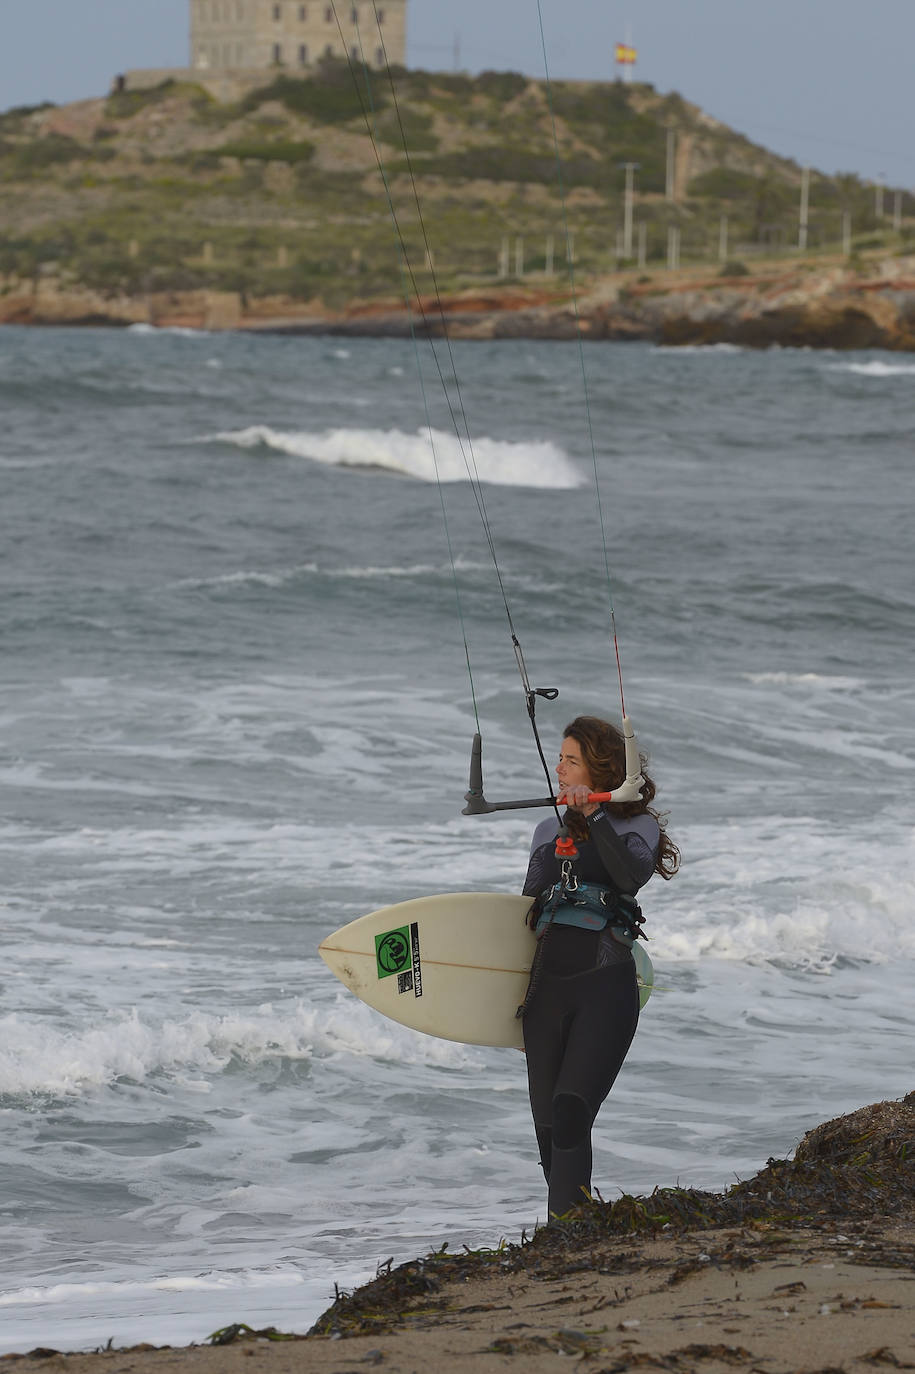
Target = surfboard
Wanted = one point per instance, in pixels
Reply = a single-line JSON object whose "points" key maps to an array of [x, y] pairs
{"points": [[454, 965]]}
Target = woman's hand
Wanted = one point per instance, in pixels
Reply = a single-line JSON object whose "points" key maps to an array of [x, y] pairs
{"points": [[577, 799]]}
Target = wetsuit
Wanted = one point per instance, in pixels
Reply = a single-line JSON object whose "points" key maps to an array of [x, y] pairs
{"points": [[584, 1006]]}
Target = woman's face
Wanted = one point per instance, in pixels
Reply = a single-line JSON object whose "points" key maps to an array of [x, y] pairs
{"points": [[571, 770]]}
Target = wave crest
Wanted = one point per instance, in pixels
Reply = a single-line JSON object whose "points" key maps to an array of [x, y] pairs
{"points": [[43, 1061], [422, 456], [875, 367]]}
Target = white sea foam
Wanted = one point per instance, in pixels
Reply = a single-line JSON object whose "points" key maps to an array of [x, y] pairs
{"points": [[178, 331], [282, 577], [533, 463], [173, 1283], [704, 349], [40, 1059], [793, 892], [819, 681], [875, 367]]}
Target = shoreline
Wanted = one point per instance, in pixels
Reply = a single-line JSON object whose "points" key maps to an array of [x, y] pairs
{"points": [[810, 1265], [761, 1299], [791, 304]]}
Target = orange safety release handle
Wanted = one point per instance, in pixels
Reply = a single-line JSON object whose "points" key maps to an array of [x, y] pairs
{"points": [[565, 847]]}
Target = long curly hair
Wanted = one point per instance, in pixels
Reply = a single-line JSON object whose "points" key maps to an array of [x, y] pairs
{"points": [[603, 752]]}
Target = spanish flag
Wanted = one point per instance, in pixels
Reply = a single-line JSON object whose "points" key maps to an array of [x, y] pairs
{"points": [[625, 56]]}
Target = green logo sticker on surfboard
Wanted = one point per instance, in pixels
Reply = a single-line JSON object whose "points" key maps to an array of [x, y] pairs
{"points": [[393, 952], [397, 952]]}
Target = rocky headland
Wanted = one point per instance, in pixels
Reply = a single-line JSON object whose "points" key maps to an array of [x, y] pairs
{"points": [[270, 208], [790, 306]]}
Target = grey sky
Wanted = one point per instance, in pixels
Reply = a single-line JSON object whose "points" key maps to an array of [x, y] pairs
{"points": [[828, 82]]}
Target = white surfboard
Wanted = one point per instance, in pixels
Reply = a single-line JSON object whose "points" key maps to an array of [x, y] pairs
{"points": [[455, 965]]}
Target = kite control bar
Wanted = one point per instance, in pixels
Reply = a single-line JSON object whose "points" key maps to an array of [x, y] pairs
{"points": [[628, 791]]}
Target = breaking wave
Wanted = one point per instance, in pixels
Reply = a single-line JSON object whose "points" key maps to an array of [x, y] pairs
{"points": [[528, 463]]}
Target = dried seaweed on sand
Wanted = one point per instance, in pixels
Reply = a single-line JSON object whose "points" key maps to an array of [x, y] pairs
{"points": [[860, 1165]]}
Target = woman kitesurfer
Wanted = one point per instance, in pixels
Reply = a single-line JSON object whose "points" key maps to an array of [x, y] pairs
{"points": [[582, 1005]]}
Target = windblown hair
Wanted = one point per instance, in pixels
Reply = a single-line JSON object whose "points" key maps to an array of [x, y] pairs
{"points": [[603, 752]]}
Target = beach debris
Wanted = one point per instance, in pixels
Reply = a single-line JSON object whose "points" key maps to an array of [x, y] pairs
{"points": [[686, 1360], [564, 1342], [241, 1331], [884, 1356]]}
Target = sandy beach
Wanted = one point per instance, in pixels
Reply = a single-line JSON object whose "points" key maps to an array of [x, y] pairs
{"points": [[761, 1298], [817, 1275]]}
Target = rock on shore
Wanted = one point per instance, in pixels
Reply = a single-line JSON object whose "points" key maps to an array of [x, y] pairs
{"points": [[792, 305]]}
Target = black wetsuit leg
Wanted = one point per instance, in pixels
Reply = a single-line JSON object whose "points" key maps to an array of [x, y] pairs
{"points": [[577, 1031]]}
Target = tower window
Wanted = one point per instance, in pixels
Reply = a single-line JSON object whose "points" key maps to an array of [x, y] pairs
{"points": [[303, 55], [303, 13], [278, 53], [277, 11], [379, 57], [328, 15], [354, 15], [381, 16]]}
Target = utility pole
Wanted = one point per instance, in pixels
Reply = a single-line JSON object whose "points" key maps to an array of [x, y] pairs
{"points": [[723, 239], [630, 168], [643, 244], [878, 197], [897, 212], [805, 210], [670, 189], [673, 247]]}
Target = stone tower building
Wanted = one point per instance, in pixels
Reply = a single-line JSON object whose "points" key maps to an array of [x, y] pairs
{"points": [[294, 35]]}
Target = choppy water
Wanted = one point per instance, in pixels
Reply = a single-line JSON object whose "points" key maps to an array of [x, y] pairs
{"points": [[235, 714]]}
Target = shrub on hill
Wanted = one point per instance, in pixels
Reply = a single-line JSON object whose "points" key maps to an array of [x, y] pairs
{"points": [[283, 150], [36, 156], [17, 113], [420, 84], [331, 96], [408, 127], [501, 86], [724, 183], [501, 163]]}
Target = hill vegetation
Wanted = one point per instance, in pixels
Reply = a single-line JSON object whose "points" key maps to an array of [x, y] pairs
{"points": [[282, 194]]}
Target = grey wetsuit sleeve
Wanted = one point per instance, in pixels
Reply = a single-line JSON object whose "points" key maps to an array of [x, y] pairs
{"points": [[628, 858], [542, 865], [540, 870]]}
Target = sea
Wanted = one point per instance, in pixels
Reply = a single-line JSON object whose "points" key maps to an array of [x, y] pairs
{"points": [[239, 574]]}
